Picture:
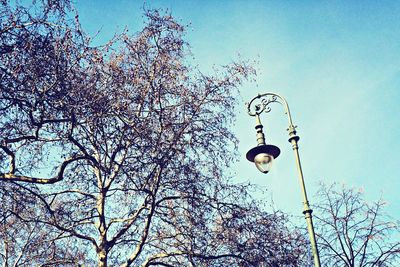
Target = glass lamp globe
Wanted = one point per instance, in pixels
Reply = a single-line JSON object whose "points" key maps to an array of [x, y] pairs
{"points": [[263, 162], [263, 156]]}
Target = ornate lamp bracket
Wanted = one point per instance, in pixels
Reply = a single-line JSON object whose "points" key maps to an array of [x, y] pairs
{"points": [[261, 103]]}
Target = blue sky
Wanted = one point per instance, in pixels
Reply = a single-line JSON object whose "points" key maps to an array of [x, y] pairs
{"points": [[336, 62]]}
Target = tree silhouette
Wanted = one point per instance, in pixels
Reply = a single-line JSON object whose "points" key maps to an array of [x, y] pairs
{"points": [[354, 232], [119, 150]]}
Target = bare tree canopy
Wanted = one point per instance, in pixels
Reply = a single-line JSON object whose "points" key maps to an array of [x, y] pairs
{"points": [[31, 243], [115, 155], [353, 232]]}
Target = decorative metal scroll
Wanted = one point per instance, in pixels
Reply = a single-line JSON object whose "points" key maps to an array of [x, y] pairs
{"points": [[261, 102]]}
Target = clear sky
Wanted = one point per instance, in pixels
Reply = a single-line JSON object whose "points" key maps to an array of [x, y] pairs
{"points": [[336, 62]]}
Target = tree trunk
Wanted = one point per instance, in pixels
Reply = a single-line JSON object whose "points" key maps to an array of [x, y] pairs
{"points": [[102, 255]]}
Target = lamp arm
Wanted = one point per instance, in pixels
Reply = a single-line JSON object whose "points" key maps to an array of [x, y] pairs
{"points": [[260, 104]]}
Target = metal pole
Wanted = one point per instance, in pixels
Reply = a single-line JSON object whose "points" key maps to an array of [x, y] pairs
{"points": [[307, 211]]}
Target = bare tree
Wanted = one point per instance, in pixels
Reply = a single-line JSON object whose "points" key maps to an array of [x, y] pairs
{"points": [[353, 232], [137, 142], [31, 244]]}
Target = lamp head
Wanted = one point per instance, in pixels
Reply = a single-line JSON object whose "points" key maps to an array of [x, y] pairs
{"points": [[263, 156]]}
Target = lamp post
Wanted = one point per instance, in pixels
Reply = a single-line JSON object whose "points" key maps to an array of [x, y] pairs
{"points": [[263, 154]]}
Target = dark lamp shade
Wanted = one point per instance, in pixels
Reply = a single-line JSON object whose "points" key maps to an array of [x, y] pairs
{"points": [[263, 156]]}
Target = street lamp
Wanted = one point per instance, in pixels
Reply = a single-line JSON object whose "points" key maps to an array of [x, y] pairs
{"points": [[264, 154]]}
